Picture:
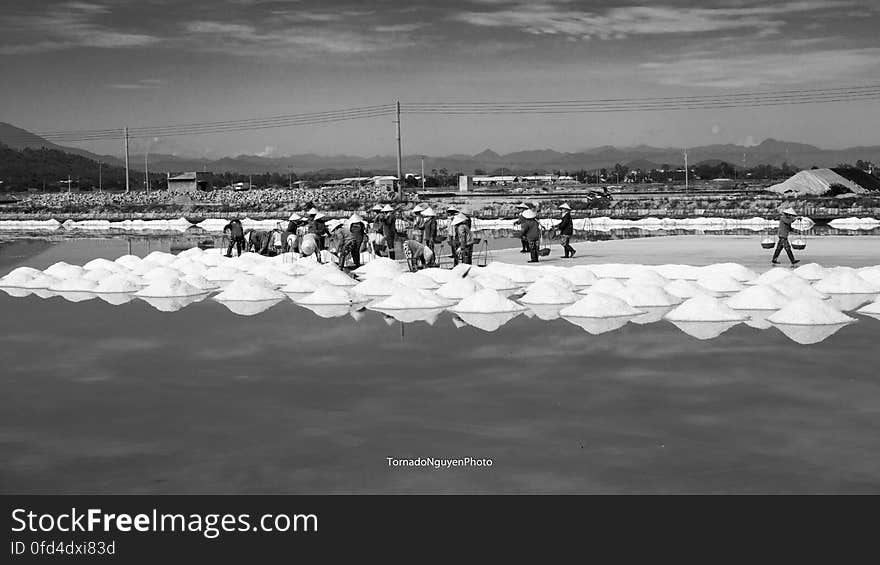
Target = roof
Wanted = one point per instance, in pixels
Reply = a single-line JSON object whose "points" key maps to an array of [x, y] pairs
{"points": [[184, 177], [819, 181]]}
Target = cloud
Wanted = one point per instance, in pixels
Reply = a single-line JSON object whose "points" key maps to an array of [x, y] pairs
{"points": [[66, 26], [547, 18], [269, 151], [766, 70]]}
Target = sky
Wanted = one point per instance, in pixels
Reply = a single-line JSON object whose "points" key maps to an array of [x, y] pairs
{"points": [[95, 64]]}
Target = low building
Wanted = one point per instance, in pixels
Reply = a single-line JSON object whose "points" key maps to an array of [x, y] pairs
{"points": [[189, 182]]}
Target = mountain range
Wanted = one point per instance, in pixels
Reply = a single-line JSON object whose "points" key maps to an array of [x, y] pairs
{"points": [[768, 152]]}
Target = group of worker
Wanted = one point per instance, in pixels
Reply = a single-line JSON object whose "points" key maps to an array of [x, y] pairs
{"points": [[530, 231]]}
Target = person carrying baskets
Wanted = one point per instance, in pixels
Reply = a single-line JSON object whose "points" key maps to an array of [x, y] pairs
{"points": [[566, 229], [531, 232], [785, 221], [464, 240]]}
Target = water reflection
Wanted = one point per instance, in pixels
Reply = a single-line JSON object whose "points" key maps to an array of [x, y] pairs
{"points": [[704, 330], [597, 326], [808, 335]]}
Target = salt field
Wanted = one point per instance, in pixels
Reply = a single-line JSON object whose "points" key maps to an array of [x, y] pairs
{"points": [[644, 365]]}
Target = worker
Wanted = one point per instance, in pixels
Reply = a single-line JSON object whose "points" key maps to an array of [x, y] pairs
{"points": [[429, 228], [376, 219], [531, 232], [309, 245], [566, 229], [353, 232], [786, 219], [289, 236], [258, 241], [418, 255], [418, 221], [464, 240], [525, 244], [236, 237], [318, 227], [389, 228]]}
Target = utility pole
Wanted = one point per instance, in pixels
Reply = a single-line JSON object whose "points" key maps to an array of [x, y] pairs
{"points": [[423, 172], [146, 169], [100, 185], [68, 184], [289, 177], [685, 170], [399, 157], [126, 159]]}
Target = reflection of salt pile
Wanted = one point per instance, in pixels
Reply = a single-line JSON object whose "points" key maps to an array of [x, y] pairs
{"points": [[330, 295], [704, 330], [758, 297], [406, 298], [652, 314], [487, 301], [686, 289], [598, 326], [168, 288], [808, 335], [872, 309], [545, 291], [427, 315], [249, 307], [845, 281], [809, 311], [599, 305], [75, 284], [488, 322], [646, 295], [249, 289], [172, 303], [456, 289], [704, 309]]}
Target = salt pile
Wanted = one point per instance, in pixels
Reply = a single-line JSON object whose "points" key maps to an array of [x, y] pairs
{"points": [[128, 261], [217, 274], [545, 291], [200, 282], [160, 273], [649, 278], [615, 270], [679, 272], [811, 271], [416, 280], [496, 281], [870, 274], [733, 270], [168, 288], [118, 283], [379, 267], [160, 257], [704, 309], [599, 305], [189, 267], [406, 298], [457, 289], [75, 284], [774, 275], [104, 264], [97, 274], [721, 283], [249, 290], [19, 276], [809, 311], [845, 282], [376, 286], [580, 276], [330, 295], [758, 297], [872, 309], [796, 287], [39, 281], [686, 289], [63, 270], [606, 286], [487, 301], [439, 276], [300, 285], [646, 295]]}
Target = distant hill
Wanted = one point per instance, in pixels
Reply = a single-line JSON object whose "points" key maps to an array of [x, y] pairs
{"points": [[18, 138], [768, 152]]}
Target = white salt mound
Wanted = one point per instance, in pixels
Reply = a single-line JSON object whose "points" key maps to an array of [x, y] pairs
{"points": [[496, 281], [553, 279], [845, 282], [646, 295], [457, 289], [168, 288], [158, 273], [599, 305], [222, 274], [439, 276], [409, 298], [809, 311], [811, 271], [160, 257], [64, 270], [580, 276], [870, 274], [117, 283], [736, 271], [199, 282], [678, 272], [775, 274], [22, 272], [704, 309], [545, 291], [758, 297], [487, 301], [416, 280], [796, 287], [301, 285], [606, 286], [720, 283], [128, 261], [16, 279], [870, 308], [39, 281], [77, 284], [686, 289], [648, 277], [105, 264], [376, 286], [248, 290], [330, 295], [96, 274]]}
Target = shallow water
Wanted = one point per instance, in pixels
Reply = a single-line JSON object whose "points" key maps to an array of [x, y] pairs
{"points": [[101, 398]]}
